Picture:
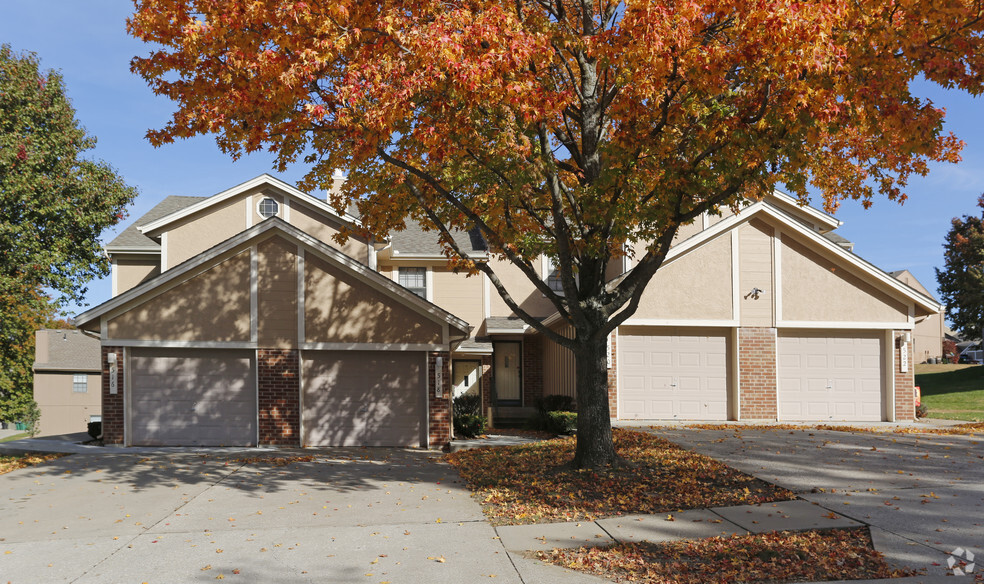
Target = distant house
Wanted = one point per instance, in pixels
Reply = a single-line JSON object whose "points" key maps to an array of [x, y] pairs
{"points": [[929, 332], [67, 381]]}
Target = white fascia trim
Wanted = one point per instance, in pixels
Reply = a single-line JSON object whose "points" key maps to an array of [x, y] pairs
{"points": [[132, 250], [472, 352], [832, 324], [503, 331], [819, 215], [397, 257], [374, 279], [184, 344], [372, 347], [263, 179], [678, 322]]}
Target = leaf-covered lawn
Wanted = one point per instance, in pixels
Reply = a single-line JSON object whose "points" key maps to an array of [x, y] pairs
{"points": [[531, 484], [11, 463], [836, 554]]}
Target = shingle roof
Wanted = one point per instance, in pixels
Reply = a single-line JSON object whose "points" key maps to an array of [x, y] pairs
{"points": [[505, 323], [414, 240], [69, 350], [131, 236], [839, 240]]}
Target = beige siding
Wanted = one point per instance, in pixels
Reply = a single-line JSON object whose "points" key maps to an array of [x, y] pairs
{"points": [[696, 285], [277, 294], [133, 272], [201, 231], [341, 309], [520, 288], [317, 225], [460, 294], [815, 289], [559, 372], [212, 306], [755, 271], [64, 411]]}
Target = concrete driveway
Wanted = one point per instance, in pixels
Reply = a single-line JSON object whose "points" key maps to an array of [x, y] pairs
{"points": [[922, 494], [362, 515]]}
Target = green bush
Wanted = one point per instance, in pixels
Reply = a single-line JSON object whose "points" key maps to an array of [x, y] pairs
{"points": [[467, 405], [469, 425], [556, 403], [561, 422], [95, 429], [921, 411]]}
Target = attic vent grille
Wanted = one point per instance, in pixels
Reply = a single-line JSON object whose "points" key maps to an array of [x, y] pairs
{"points": [[268, 208]]}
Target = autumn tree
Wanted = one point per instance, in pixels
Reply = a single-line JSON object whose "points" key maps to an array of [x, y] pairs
{"points": [[53, 206], [566, 128], [962, 278]]}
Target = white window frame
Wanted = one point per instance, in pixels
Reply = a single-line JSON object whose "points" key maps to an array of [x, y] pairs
{"points": [[423, 272], [80, 380], [259, 205], [546, 268]]}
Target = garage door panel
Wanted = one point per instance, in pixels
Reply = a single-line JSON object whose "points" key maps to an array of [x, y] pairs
{"points": [[364, 398], [192, 397], [829, 375], [681, 376]]}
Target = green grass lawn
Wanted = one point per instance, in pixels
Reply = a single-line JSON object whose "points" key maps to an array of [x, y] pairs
{"points": [[952, 392], [15, 437]]}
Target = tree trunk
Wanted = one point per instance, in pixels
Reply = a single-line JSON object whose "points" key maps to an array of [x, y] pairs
{"points": [[594, 428]]}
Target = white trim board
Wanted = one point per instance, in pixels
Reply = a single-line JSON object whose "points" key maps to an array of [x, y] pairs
{"points": [[831, 324], [372, 347]]}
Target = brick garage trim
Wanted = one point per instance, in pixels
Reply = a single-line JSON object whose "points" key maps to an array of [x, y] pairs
{"points": [[113, 405], [438, 408], [905, 383], [279, 395], [757, 373]]}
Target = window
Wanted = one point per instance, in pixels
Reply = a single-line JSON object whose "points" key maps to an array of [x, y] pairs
{"points": [[268, 208], [96, 418], [553, 276], [415, 280], [80, 383]]}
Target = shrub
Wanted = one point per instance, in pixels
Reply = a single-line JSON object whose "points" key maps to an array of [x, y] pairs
{"points": [[922, 411], [561, 422], [556, 403], [469, 425], [467, 405], [95, 429], [545, 406]]}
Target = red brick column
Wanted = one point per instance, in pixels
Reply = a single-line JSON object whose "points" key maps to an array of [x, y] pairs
{"points": [[279, 396], [438, 408], [613, 378], [757, 373], [112, 404], [532, 369], [905, 383]]}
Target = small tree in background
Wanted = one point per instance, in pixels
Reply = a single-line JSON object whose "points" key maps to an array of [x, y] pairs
{"points": [[53, 207], [962, 278]]}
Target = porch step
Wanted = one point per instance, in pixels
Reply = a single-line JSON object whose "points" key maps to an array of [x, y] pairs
{"points": [[510, 416]]}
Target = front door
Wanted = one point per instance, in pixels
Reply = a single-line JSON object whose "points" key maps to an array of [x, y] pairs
{"points": [[464, 377], [508, 372]]}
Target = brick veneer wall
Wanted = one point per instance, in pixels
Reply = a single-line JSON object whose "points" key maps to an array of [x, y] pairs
{"points": [[113, 417], [757, 373], [278, 372], [532, 370], [613, 379], [438, 409], [905, 397]]}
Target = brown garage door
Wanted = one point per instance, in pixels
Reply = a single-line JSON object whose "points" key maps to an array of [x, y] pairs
{"points": [[363, 398], [672, 374], [826, 375], [198, 397]]}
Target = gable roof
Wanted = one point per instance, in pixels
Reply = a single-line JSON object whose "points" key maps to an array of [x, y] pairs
{"points": [[821, 218], [414, 241], [157, 225], [274, 224], [68, 350], [132, 239]]}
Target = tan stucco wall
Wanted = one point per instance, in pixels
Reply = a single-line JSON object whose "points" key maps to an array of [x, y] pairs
{"points": [[461, 295], [62, 410], [212, 306], [315, 224], [755, 271], [201, 231], [341, 309], [135, 271], [520, 288], [928, 338], [815, 289], [276, 294], [696, 285]]}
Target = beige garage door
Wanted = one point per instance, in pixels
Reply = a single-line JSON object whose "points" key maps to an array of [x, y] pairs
{"points": [[682, 375], [830, 376], [363, 398], [192, 397]]}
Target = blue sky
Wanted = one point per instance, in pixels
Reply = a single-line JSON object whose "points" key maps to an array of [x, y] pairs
{"points": [[87, 42]]}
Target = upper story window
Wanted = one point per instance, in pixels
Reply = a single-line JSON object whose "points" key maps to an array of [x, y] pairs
{"points": [[80, 383], [552, 276], [415, 280], [268, 208]]}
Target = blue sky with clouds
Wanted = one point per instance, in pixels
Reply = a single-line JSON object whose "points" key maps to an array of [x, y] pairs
{"points": [[87, 42]]}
